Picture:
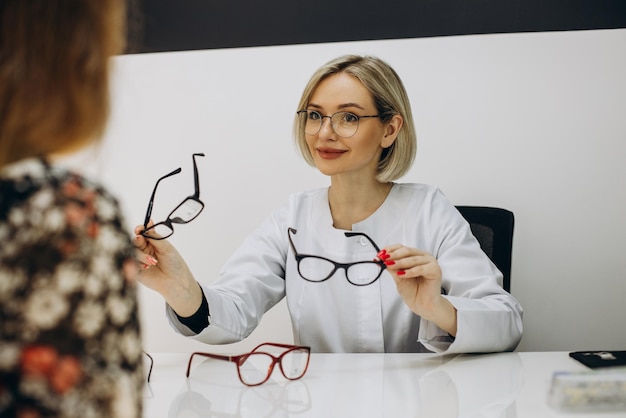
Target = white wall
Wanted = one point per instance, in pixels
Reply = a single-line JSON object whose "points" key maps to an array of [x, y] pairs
{"points": [[535, 123]]}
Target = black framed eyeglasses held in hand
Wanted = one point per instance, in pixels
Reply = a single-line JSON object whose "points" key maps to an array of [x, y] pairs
{"points": [[185, 212], [315, 268]]}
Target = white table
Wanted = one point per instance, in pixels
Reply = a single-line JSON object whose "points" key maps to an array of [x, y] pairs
{"points": [[511, 385]]}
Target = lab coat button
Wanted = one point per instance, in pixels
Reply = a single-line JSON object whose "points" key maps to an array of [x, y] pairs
{"points": [[363, 241]]}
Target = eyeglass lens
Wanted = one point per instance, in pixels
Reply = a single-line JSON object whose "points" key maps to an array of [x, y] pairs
{"points": [[344, 124], [184, 213], [255, 368], [318, 269]]}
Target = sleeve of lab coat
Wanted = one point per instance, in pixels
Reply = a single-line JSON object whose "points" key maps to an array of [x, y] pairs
{"points": [[489, 319], [250, 283]]}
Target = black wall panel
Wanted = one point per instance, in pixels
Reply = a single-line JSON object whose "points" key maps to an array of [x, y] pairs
{"points": [[172, 25]]}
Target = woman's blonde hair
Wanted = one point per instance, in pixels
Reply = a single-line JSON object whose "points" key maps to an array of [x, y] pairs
{"points": [[390, 98], [54, 73]]}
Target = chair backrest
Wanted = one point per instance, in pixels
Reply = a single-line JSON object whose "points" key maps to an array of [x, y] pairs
{"points": [[493, 228]]}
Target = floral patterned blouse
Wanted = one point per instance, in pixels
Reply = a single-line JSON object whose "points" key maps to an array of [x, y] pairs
{"points": [[70, 343]]}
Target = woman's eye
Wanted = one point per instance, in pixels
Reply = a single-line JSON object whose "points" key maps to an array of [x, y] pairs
{"points": [[350, 117], [313, 115]]}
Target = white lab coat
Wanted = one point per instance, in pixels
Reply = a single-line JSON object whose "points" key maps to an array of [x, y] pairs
{"points": [[336, 316]]}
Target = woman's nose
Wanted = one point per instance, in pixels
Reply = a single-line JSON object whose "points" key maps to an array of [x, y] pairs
{"points": [[326, 130]]}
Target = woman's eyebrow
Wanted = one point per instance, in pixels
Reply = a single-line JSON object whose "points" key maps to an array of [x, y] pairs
{"points": [[341, 106]]}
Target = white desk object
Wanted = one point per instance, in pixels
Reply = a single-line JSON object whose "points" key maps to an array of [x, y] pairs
{"points": [[502, 385]]}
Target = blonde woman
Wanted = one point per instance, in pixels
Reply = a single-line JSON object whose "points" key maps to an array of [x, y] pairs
{"points": [[366, 264]]}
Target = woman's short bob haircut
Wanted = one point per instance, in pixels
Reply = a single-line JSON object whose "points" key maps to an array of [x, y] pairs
{"points": [[390, 99], [54, 73]]}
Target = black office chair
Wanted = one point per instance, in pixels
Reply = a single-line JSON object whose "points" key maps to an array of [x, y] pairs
{"points": [[493, 228]]}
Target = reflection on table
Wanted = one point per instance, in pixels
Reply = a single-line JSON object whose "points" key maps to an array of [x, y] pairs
{"points": [[503, 385]]}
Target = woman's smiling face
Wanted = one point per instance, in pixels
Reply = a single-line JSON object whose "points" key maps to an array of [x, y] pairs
{"points": [[360, 153]]}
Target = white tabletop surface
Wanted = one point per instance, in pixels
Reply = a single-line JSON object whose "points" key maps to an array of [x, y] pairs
{"points": [[504, 385]]}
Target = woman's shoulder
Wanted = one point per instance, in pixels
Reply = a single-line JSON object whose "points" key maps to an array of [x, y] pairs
{"points": [[74, 185], [416, 188], [314, 193], [421, 196], [298, 204], [35, 174], [419, 191], [59, 197]]}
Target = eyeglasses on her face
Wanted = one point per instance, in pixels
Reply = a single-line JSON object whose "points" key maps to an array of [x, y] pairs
{"points": [[185, 212], [255, 368], [344, 124], [314, 268]]}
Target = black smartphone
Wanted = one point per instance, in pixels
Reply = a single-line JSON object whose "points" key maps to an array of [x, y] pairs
{"points": [[599, 358]]}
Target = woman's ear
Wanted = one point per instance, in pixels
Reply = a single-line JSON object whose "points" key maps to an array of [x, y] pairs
{"points": [[392, 129]]}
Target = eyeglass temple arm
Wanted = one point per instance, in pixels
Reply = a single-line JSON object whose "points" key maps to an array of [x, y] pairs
{"points": [[289, 232], [151, 365], [195, 174], [361, 234], [289, 346], [234, 359], [151, 202]]}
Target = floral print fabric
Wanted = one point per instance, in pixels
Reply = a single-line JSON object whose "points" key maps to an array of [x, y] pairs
{"points": [[70, 342]]}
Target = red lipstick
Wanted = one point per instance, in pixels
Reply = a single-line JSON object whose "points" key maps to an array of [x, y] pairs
{"points": [[330, 153]]}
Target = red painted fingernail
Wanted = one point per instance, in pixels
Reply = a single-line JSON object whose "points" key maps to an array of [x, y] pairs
{"points": [[381, 253], [401, 273], [390, 262]]}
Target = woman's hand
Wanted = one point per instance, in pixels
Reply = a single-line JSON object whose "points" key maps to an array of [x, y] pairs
{"points": [[418, 279], [165, 271]]}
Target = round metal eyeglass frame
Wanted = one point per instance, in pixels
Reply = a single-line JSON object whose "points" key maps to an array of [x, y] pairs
{"points": [[346, 266], [260, 351], [185, 212], [339, 121]]}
